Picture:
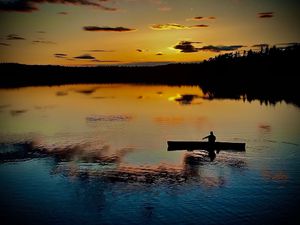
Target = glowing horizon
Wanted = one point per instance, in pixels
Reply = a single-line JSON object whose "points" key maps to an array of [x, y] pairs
{"points": [[95, 32]]}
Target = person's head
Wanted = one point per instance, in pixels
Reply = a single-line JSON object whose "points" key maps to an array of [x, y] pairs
{"points": [[211, 133]]}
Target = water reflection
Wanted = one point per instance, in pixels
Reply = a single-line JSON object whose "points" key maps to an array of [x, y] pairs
{"points": [[61, 93], [169, 120], [87, 91], [102, 97], [265, 127], [100, 154], [85, 162], [275, 175], [109, 118], [155, 174], [186, 99]]}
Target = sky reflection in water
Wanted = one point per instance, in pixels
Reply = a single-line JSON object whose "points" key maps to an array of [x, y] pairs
{"points": [[100, 145]]}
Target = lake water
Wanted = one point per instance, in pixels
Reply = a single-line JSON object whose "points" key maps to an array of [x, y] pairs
{"points": [[98, 155]]}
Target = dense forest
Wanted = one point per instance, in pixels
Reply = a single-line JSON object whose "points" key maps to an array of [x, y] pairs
{"points": [[269, 75]]}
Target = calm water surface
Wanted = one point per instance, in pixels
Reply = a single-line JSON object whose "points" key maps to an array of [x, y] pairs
{"points": [[102, 157]]}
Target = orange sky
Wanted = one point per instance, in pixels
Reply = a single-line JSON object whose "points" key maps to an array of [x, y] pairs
{"points": [[93, 32]]}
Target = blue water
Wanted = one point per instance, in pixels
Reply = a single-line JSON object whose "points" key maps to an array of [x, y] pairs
{"points": [[134, 180]]}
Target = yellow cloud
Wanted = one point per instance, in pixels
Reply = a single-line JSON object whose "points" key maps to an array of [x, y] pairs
{"points": [[169, 26]]}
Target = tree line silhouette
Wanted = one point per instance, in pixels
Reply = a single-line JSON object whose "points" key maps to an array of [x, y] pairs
{"points": [[269, 75]]}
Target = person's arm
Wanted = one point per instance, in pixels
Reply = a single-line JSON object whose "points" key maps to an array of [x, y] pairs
{"points": [[205, 137]]}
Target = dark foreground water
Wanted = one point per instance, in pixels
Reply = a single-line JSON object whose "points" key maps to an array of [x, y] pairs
{"points": [[97, 154]]}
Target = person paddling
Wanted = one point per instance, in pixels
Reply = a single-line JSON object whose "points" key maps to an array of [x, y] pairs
{"points": [[211, 140]]}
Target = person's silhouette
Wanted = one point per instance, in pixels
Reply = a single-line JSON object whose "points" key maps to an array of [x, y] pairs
{"points": [[211, 140]]}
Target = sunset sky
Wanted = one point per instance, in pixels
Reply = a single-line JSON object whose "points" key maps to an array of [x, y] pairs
{"points": [[97, 32]]}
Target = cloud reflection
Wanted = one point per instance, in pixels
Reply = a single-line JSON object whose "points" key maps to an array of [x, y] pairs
{"points": [[17, 112], [61, 93], [185, 99], [189, 171], [101, 161], [109, 118], [275, 175], [169, 120], [87, 91], [97, 152], [265, 127]]}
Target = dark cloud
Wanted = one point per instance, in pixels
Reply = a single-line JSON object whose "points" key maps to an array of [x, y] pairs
{"points": [[142, 50], [32, 5], [265, 14], [104, 61], [220, 48], [159, 53], [169, 26], [41, 32], [110, 61], [85, 56], [199, 26], [14, 37], [60, 55], [186, 46], [17, 112], [95, 60], [109, 29], [174, 26], [42, 42], [99, 50], [197, 18], [62, 13], [4, 44]]}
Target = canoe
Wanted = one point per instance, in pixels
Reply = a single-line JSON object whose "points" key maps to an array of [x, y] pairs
{"points": [[202, 145]]}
